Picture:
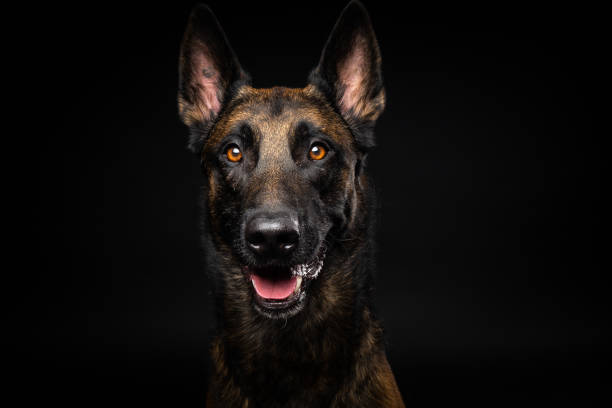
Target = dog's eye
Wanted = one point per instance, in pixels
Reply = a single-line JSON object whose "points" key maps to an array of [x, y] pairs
{"points": [[233, 153], [317, 151]]}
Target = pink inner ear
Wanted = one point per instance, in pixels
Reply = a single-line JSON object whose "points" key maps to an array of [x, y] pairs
{"points": [[208, 81], [351, 75]]}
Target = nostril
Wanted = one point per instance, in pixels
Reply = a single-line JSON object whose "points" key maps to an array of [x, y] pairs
{"points": [[286, 247], [256, 238], [271, 236], [287, 240]]}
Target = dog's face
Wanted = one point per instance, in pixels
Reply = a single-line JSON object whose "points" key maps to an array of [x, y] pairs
{"points": [[282, 165]]}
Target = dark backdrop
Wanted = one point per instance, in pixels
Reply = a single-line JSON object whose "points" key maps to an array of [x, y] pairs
{"points": [[489, 170]]}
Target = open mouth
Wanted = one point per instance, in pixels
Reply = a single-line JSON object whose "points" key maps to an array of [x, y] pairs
{"points": [[283, 289]]}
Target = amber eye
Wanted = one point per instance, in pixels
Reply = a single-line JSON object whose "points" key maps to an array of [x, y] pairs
{"points": [[233, 153], [317, 151]]}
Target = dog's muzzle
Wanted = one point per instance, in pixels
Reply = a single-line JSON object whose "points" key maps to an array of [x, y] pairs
{"points": [[279, 285]]}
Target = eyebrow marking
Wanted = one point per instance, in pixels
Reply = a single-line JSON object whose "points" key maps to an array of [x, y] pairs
{"points": [[241, 130]]}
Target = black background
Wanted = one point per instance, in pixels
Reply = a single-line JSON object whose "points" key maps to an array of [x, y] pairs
{"points": [[489, 169]]}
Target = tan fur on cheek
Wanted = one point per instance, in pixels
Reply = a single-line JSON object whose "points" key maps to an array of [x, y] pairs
{"points": [[212, 190]]}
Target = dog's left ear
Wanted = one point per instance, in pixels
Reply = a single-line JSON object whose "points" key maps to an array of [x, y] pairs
{"points": [[349, 73]]}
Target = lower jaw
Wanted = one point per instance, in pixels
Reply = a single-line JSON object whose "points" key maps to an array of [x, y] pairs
{"points": [[281, 308]]}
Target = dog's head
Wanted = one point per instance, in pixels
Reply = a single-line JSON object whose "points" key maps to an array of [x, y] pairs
{"points": [[283, 166]]}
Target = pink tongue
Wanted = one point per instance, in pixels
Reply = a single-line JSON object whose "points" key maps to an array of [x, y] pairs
{"points": [[273, 289]]}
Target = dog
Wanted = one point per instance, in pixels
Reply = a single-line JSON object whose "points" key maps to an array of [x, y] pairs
{"points": [[288, 221]]}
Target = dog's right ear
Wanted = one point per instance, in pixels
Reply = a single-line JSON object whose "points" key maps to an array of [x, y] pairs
{"points": [[208, 72]]}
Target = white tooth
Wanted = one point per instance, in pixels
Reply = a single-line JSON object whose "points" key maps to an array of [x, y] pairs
{"points": [[298, 284]]}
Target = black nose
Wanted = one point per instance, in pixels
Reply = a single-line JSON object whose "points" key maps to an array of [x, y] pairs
{"points": [[271, 235]]}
